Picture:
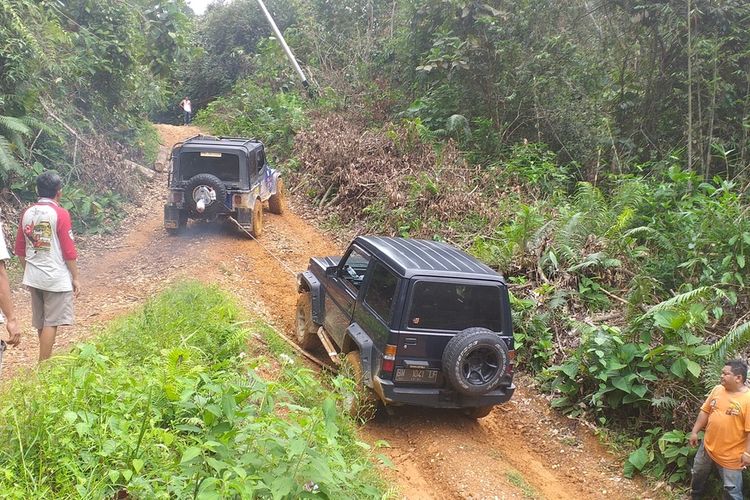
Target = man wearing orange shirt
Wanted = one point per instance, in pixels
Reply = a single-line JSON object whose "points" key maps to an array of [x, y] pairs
{"points": [[726, 445]]}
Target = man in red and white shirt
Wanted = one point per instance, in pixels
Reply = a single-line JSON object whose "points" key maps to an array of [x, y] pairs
{"points": [[45, 246]]}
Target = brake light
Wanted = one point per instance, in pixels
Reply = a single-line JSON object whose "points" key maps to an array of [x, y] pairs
{"points": [[177, 197], [512, 358], [389, 358]]}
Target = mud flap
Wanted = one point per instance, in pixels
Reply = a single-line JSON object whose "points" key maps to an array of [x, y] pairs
{"points": [[364, 342], [245, 217], [174, 218]]}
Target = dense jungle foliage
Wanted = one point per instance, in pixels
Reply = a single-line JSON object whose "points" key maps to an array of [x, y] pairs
{"points": [[595, 152], [77, 79]]}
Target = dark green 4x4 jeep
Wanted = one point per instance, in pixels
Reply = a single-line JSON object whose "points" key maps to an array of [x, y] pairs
{"points": [[213, 177], [420, 322]]}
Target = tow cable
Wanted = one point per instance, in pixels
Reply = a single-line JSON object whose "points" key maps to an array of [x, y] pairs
{"points": [[292, 344]]}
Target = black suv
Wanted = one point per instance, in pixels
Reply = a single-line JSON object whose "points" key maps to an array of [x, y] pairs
{"points": [[421, 322], [211, 177]]}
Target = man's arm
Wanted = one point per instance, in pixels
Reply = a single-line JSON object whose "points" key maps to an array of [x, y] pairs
{"points": [[6, 305], [73, 268], [699, 425]]}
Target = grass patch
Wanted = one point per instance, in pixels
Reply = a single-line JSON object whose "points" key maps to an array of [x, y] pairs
{"points": [[165, 404], [517, 480]]}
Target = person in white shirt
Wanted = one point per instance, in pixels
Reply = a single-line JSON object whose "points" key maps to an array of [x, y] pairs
{"points": [[45, 247], [187, 109]]}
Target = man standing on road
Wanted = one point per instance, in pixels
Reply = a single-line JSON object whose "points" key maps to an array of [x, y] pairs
{"points": [[726, 444], [11, 323], [45, 246], [187, 109]]}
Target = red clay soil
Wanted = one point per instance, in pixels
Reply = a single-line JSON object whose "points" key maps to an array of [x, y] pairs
{"points": [[521, 450]]}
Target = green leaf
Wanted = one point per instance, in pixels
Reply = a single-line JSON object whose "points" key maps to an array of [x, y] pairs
{"points": [[740, 261], [137, 465], [190, 453], [693, 367], [639, 458], [679, 368], [621, 383]]}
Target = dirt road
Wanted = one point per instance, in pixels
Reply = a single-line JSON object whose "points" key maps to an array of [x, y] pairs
{"points": [[521, 450]]}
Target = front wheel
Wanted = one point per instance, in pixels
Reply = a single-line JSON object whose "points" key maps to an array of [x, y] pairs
{"points": [[306, 329]]}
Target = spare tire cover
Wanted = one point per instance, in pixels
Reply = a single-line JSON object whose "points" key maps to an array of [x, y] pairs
{"points": [[475, 360], [205, 183]]}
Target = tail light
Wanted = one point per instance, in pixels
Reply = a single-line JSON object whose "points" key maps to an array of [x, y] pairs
{"points": [[389, 358], [176, 197], [512, 358]]}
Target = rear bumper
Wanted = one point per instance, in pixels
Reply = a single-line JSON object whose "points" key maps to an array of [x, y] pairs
{"points": [[435, 397]]}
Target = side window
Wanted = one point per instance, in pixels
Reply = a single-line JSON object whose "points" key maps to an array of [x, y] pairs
{"points": [[353, 269], [381, 290], [261, 160]]}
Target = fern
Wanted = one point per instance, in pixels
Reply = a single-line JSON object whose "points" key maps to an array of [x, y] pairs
{"points": [[736, 339], [681, 299], [10, 126], [657, 237], [7, 160]]}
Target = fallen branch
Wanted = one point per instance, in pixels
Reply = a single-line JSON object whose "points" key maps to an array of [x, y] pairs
{"points": [[65, 125]]}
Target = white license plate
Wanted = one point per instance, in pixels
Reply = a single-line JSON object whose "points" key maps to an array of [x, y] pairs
{"points": [[416, 375]]}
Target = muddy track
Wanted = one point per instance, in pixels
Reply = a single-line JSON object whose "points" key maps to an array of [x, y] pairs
{"points": [[521, 450]]}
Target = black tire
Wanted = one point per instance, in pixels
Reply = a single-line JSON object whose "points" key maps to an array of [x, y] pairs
{"points": [[475, 360], [361, 404], [478, 411], [306, 330], [257, 222], [277, 202], [212, 183]]}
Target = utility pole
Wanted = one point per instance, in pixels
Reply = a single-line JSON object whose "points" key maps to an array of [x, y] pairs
{"points": [[286, 48]]}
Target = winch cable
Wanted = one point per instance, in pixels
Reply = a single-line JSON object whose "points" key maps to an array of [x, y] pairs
{"points": [[269, 252], [317, 361]]}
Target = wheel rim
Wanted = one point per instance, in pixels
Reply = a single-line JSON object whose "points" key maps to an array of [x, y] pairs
{"points": [[480, 366], [206, 192]]}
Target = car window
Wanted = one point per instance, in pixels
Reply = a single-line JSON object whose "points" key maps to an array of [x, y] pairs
{"points": [[353, 269], [381, 290], [454, 306], [225, 166]]}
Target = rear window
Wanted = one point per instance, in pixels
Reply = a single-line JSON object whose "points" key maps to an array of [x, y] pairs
{"points": [[454, 306], [225, 166]]}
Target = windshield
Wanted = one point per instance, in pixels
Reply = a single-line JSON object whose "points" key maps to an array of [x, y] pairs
{"points": [[454, 306], [225, 166]]}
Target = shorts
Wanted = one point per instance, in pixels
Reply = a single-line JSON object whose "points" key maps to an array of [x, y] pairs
{"points": [[51, 308]]}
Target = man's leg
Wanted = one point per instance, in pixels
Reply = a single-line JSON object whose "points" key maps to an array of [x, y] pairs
{"points": [[732, 479], [46, 341], [702, 466]]}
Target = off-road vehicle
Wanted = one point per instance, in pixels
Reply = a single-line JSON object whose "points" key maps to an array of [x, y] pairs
{"points": [[212, 177], [420, 322]]}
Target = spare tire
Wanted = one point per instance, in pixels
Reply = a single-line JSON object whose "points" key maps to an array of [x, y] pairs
{"points": [[475, 360], [209, 187]]}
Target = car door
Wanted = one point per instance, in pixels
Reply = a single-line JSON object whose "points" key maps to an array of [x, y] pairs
{"points": [[341, 295]]}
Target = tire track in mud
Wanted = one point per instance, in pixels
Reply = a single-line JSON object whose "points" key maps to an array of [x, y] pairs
{"points": [[521, 450]]}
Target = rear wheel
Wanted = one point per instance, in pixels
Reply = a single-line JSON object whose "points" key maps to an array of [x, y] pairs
{"points": [[360, 403], [306, 329], [478, 411], [257, 221], [277, 202]]}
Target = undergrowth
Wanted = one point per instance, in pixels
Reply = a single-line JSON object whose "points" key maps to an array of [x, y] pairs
{"points": [[165, 404]]}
